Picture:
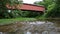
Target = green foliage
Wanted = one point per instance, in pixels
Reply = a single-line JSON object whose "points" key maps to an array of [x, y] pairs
{"points": [[39, 3], [3, 9], [30, 14], [45, 3], [14, 13], [52, 8], [55, 11], [14, 20]]}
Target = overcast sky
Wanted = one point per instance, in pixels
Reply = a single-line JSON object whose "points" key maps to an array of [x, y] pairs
{"points": [[30, 1]]}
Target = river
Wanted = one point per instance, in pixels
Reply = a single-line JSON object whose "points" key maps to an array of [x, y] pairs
{"points": [[41, 27], [38, 27]]}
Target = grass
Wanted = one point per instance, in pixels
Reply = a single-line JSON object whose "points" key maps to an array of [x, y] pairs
{"points": [[8, 21], [13, 20], [43, 18]]}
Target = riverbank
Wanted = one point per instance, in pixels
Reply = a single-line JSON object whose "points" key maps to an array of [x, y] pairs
{"points": [[13, 20], [48, 19], [9, 21]]}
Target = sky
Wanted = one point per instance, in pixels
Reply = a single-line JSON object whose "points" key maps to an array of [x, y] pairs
{"points": [[30, 1]]}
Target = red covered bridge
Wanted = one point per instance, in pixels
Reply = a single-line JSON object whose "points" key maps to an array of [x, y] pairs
{"points": [[30, 7]]}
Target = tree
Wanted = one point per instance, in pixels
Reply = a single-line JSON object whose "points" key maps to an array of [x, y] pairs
{"points": [[55, 11], [52, 8], [45, 3], [3, 8]]}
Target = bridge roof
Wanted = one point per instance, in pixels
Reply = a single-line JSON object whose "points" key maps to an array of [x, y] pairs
{"points": [[30, 7]]}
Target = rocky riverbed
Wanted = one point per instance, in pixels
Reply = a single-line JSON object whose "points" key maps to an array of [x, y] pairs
{"points": [[32, 27]]}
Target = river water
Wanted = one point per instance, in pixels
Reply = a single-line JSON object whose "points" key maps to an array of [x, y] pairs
{"points": [[38, 27], [41, 27]]}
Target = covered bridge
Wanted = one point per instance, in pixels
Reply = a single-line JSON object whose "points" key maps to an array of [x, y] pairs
{"points": [[32, 7], [28, 7]]}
